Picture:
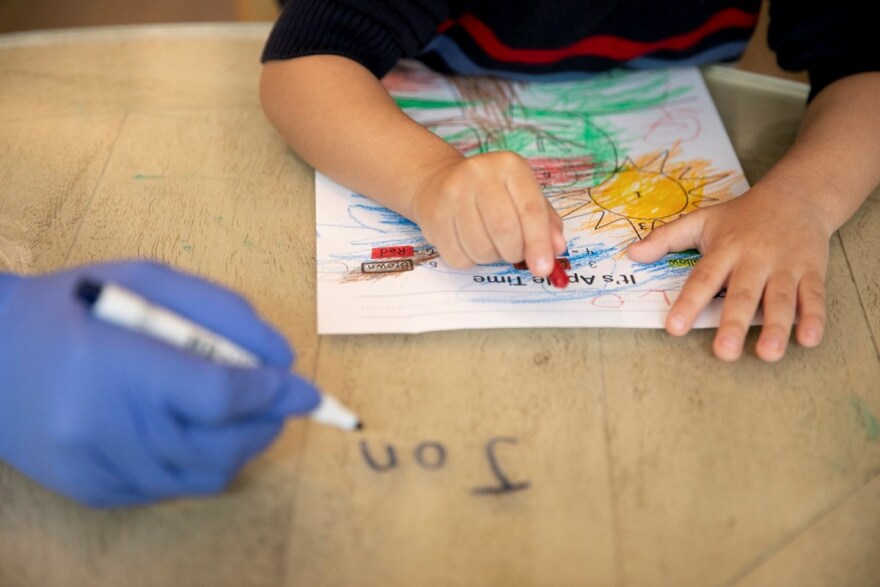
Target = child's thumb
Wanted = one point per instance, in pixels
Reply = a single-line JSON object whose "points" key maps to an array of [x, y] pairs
{"points": [[679, 235]]}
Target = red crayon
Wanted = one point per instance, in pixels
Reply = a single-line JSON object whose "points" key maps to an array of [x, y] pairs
{"points": [[559, 277]]}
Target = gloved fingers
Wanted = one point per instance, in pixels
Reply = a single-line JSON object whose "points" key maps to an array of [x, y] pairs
{"points": [[99, 482], [193, 387], [204, 393], [114, 476], [112, 439], [197, 461], [86, 478], [227, 449], [159, 379], [206, 482], [216, 438], [213, 306], [135, 460], [198, 449]]}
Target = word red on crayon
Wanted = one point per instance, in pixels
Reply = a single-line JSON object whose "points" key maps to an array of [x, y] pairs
{"points": [[559, 278], [396, 252]]}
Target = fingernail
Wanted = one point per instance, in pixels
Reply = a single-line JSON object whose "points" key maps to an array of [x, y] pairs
{"points": [[299, 396], [677, 323], [811, 336], [543, 265], [730, 343], [774, 344]]}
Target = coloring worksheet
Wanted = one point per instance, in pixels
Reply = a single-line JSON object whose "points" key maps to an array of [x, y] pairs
{"points": [[616, 155]]}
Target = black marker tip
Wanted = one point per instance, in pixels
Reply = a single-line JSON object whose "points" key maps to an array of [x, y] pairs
{"points": [[359, 426], [88, 291]]}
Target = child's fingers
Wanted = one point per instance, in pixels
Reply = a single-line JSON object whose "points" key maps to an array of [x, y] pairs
{"points": [[531, 206], [501, 223], [444, 236], [811, 307], [703, 284], [474, 227], [679, 235], [740, 304], [780, 300], [557, 230]]}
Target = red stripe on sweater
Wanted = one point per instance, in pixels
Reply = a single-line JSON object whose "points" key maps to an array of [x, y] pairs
{"points": [[444, 26], [602, 45]]}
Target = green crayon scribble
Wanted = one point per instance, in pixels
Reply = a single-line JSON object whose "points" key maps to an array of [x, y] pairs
{"points": [[554, 120], [608, 94], [142, 177], [406, 102], [866, 418]]}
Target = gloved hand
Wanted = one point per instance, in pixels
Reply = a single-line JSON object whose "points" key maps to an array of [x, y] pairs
{"points": [[112, 417]]}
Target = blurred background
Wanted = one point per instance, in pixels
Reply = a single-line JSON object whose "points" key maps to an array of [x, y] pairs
{"points": [[26, 15], [23, 15]]}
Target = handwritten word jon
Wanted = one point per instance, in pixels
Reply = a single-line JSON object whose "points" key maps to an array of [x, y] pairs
{"points": [[431, 455]]}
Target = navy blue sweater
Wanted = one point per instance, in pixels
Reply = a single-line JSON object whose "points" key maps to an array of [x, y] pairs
{"points": [[553, 39]]}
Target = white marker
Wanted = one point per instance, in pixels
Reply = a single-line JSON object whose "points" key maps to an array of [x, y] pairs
{"points": [[119, 306]]}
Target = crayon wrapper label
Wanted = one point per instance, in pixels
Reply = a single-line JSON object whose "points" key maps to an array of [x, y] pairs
{"points": [[405, 251], [387, 266]]}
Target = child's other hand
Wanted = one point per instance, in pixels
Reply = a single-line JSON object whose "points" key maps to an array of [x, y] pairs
{"points": [[764, 248], [489, 207]]}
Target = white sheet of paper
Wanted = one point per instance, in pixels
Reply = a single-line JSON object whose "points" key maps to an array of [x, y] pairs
{"points": [[616, 155]]}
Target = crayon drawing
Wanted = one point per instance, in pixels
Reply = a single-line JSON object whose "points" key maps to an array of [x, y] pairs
{"points": [[616, 155]]}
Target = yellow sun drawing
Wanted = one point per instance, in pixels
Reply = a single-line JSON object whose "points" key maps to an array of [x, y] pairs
{"points": [[648, 191]]}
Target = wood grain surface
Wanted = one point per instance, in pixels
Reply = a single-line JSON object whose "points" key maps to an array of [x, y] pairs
{"points": [[511, 457]]}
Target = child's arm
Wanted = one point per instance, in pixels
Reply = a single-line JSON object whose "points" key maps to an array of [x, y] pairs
{"points": [[337, 116], [772, 242]]}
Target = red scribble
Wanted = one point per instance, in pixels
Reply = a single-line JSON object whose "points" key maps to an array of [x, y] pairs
{"points": [[663, 293], [608, 301], [562, 172], [683, 124]]}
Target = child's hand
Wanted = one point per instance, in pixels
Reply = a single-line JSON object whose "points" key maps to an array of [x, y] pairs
{"points": [[761, 246], [489, 207]]}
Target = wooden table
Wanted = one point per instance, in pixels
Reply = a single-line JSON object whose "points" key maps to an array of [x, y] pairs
{"points": [[621, 457]]}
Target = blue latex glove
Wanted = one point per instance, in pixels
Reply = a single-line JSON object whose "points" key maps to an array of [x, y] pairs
{"points": [[111, 417]]}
